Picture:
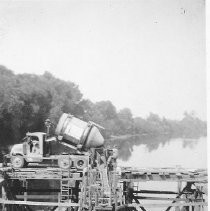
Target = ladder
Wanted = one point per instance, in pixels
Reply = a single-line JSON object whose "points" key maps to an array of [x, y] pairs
{"points": [[136, 188], [65, 189], [104, 179]]}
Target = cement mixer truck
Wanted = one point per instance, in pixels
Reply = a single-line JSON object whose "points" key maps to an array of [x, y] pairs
{"points": [[78, 135]]}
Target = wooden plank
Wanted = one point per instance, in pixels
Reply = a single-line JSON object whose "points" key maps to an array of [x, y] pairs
{"points": [[35, 203], [39, 190], [152, 178], [177, 204], [160, 198], [35, 197], [44, 197], [155, 192], [103, 208]]}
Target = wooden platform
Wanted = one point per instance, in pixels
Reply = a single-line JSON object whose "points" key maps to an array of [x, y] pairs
{"points": [[126, 174], [164, 174]]}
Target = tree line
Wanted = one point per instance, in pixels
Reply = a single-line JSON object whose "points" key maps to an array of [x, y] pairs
{"points": [[27, 100]]}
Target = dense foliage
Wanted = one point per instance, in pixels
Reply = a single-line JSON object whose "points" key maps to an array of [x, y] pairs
{"points": [[26, 100]]}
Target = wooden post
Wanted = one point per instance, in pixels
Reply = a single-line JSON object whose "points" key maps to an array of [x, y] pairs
{"points": [[96, 197], [4, 196], [25, 185], [179, 189], [115, 185], [89, 199], [129, 192], [121, 198], [110, 197]]}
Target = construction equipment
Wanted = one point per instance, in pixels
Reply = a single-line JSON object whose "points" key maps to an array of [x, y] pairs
{"points": [[71, 132]]}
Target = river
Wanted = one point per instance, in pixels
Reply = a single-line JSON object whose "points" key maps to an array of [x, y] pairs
{"points": [[186, 153]]}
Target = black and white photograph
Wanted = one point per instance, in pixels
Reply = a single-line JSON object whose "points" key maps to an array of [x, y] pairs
{"points": [[103, 105]]}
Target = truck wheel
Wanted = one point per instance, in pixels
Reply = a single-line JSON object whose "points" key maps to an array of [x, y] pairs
{"points": [[64, 162], [17, 161]]}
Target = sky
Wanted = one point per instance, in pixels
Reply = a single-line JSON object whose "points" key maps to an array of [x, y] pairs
{"points": [[147, 55]]}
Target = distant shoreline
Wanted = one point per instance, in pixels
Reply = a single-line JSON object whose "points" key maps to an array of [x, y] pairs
{"points": [[124, 137]]}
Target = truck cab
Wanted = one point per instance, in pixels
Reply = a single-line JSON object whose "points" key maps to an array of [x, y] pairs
{"points": [[30, 151]]}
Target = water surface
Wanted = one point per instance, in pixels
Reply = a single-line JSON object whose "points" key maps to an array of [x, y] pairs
{"points": [[187, 153]]}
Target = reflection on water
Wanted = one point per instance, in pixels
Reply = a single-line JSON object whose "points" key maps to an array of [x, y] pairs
{"points": [[162, 152], [126, 146]]}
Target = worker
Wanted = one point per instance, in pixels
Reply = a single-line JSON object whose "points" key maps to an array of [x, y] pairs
{"points": [[35, 147]]}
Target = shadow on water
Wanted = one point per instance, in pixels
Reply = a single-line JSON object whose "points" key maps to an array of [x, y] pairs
{"points": [[126, 145]]}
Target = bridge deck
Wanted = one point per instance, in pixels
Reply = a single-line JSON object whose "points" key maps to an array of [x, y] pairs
{"points": [[164, 174], [127, 174]]}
